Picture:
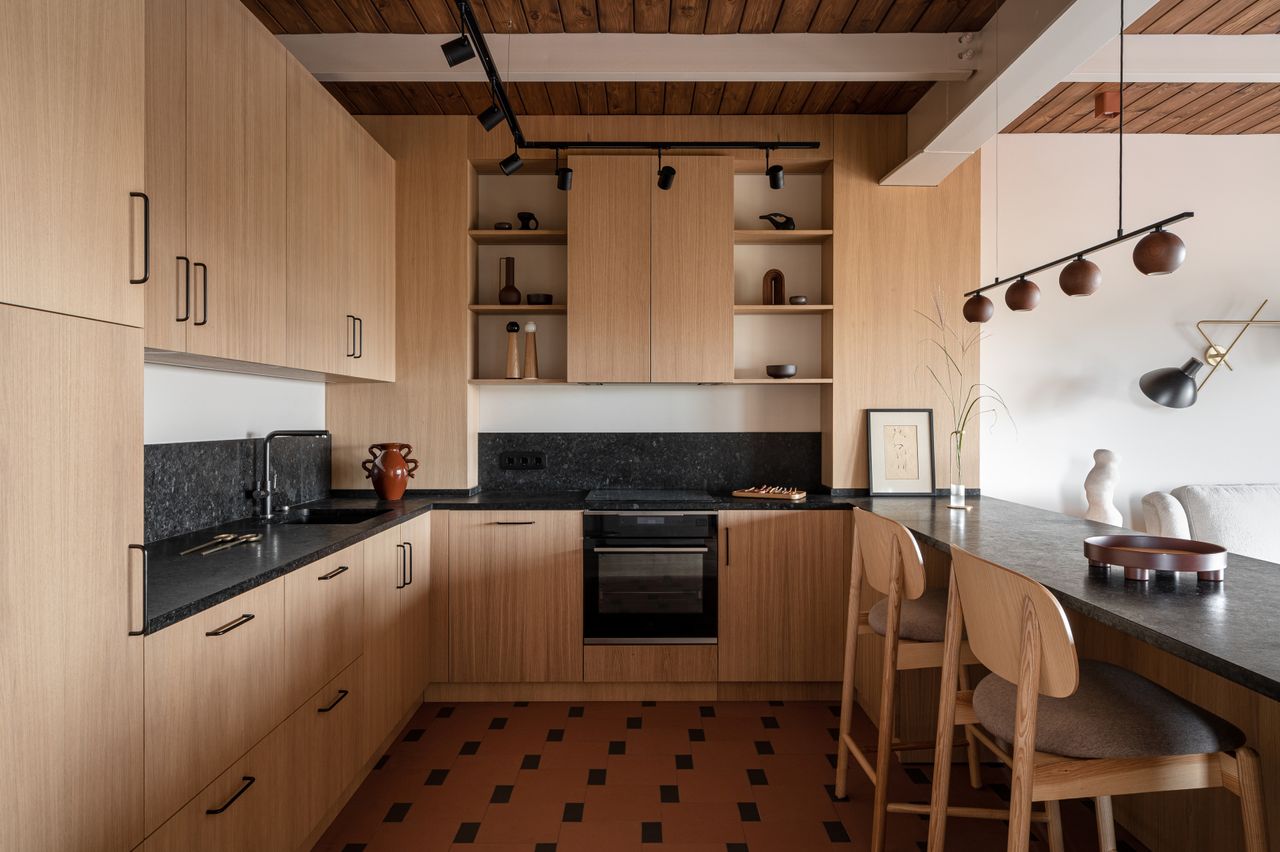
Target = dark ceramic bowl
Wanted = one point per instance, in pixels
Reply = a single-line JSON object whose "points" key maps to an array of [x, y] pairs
{"points": [[780, 371], [799, 300], [539, 298]]}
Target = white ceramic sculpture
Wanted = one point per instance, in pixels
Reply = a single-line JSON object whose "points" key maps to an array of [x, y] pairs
{"points": [[1100, 489]]}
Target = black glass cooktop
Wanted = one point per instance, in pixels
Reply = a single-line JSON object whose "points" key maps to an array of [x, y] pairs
{"points": [[627, 495]]}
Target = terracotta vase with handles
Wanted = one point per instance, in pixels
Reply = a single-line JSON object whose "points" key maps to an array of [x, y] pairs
{"points": [[390, 468]]}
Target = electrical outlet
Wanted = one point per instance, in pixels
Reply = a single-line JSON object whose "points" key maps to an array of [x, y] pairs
{"points": [[523, 460]]}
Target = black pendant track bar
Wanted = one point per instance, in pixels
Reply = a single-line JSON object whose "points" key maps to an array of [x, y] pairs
{"points": [[1124, 237], [668, 146]]}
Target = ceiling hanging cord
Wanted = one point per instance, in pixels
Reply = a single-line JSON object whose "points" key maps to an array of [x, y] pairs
{"points": [[1120, 177]]}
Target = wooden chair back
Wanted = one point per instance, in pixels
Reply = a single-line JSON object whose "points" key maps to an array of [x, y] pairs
{"points": [[879, 542], [992, 599]]}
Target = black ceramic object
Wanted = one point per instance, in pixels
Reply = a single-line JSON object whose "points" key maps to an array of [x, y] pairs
{"points": [[502, 226], [539, 298], [528, 221], [780, 371], [799, 300], [508, 294], [780, 221]]}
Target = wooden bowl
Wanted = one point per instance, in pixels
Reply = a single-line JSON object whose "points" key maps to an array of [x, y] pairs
{"points": [[1139, 555], [780, 371]]}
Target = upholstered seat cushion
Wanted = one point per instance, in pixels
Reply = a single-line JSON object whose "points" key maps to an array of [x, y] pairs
{"points": [[923, 619], [1114, 713]]}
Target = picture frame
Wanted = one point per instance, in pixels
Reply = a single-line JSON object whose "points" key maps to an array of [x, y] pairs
{"points": [[900, 452]]}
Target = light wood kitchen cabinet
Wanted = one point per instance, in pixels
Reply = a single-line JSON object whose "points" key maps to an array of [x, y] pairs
{"points": [[784, 579], [371, 286], [658, 305], [72, 683], [324, 621], [214, 687], [415, 610], [71, 237], [515, 597]]}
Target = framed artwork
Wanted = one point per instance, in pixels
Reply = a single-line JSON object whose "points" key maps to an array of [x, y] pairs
{"points": [[900, 451]]}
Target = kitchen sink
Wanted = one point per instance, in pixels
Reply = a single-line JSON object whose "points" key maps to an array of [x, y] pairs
{"points": [[334, 516]]}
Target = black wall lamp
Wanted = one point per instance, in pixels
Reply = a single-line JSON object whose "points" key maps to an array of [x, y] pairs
{"points": [[1176, 387], [666, 174]]}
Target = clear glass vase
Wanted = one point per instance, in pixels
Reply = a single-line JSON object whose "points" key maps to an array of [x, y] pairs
{"points": [[957, 496]]}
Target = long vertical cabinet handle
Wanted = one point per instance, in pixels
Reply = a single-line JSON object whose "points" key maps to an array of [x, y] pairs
{"points": [[360, 338], [400, 583], [408, 547], [204, 291], [727, 551], [352, 353], [146, 238], [185, 300], [143, 550]]}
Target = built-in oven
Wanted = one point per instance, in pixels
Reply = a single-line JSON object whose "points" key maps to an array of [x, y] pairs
{"points": [[649, 578]]}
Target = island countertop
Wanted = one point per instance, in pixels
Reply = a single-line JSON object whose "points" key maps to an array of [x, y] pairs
{"points": [[1231, 628]]}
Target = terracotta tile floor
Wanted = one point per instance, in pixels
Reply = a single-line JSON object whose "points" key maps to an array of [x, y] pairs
{"points": [[718, 777]]}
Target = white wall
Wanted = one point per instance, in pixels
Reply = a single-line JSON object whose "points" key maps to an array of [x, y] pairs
{"points": [[183, 404], [1069, 370]]}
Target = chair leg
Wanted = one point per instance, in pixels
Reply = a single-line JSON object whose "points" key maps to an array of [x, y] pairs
{"points": [[1024, 733], [1106, 824], [975, 761], [846, 691], [888, 684], [946, 730], [1253, 807], [1055, 827]]}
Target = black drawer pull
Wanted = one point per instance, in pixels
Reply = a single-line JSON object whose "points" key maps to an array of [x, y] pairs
{"points": [[515, 523], [231, 625], [143, 550], [408, 547], [204, 292], [248, 782], [146, 238], [342, 693], [352, 353], [360, 337], [404, 567], [186, 287], [335, 572]]}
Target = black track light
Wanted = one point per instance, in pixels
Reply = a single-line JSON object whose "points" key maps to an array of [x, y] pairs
{"points": [[511, 164], [491, 117], [457, 51], [666, 174], [564, 175], [777, 177]]}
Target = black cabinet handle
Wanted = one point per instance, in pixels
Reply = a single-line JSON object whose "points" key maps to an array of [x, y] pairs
{"points": [[400, 583], [360, 338], [408, 546], [335, 572], [231, 625], [146, 238], [726, 546], [204, 289], [352, 353], [248, 782], [142, 629], [185, 301], [515, 523], [342, 693]]}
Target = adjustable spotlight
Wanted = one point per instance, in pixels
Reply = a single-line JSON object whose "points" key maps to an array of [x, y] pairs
{"points": [[777, 177], [458, 50], [511, 164], [491, 117], [564, 175], [666, 174]]}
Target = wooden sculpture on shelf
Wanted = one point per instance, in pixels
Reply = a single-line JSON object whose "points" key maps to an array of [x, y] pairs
{"points": [[774, 288], [513, 350], [531, 350]]}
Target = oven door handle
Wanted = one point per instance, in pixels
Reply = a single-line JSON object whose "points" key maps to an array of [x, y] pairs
{"points": [[650, 550]]}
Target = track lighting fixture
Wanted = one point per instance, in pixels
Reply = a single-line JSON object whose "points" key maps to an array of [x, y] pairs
{"points": [[457, 51], [564, 175], [511, 164], [491, 117], [777, 177], [666, 174]]}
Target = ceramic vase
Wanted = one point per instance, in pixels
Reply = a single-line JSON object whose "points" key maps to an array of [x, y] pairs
{"points": [[508, 294], [390, 467]]}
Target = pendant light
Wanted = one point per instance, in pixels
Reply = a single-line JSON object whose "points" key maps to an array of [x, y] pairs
{"points": [[1080, 277], [1023, 295]]}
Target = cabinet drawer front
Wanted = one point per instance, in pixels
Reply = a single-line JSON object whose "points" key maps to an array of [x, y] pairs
{"points": [[324, 621], [326, 747], [649, 663], [214, 687]]}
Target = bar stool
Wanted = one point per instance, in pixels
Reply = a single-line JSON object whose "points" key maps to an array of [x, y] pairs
{"points": [[1099, 731], [912, 620]]}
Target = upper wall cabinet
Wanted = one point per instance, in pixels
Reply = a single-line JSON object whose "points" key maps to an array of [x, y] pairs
{"points": [[71, 81], [650, 271]]}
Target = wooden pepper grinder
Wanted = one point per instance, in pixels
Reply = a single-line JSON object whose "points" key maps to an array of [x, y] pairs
{"points": [[531, 350], [513, 350]]}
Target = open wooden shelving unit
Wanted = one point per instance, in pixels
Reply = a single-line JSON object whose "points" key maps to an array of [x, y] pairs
{"points": [[763, 237], [519, 310], [796, 381], [528, 382], [781, 310], [540, 237]]}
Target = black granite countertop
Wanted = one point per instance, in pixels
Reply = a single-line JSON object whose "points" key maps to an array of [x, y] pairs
{"points": [[575, 500]]}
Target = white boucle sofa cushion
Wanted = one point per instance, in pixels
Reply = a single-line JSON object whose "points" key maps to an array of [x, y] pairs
{"points": [[1241, 518]]}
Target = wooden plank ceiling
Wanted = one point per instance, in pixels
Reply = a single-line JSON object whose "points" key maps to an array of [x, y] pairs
{"points": [[625, 16], [630, 98], [1200, 108], [1210, 17]]}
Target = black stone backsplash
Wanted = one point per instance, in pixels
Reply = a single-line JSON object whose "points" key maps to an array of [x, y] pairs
{"points": [[714, 461], [190, 486]]}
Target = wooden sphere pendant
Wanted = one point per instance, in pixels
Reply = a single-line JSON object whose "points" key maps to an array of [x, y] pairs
{"points": [[1159, 253], [1022, 295], [1080, 277], [978, 308]]}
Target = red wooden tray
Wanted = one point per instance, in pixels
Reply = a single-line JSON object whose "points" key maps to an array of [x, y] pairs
{"points": [[1139, 555]]}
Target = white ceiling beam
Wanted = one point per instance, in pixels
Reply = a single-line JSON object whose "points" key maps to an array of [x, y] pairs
{"points": [[1029, 47], [578, 57], [1185, 59]]}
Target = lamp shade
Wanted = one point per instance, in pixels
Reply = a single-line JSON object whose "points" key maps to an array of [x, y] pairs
{"points": [[1172, 387], [1022, 295], [1080, 277], [1159, 253], [978, 308]]}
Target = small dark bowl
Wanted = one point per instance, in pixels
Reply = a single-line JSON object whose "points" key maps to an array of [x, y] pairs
{"points": [[539, 298], [780, 371], [502, 226], [799, 300]]}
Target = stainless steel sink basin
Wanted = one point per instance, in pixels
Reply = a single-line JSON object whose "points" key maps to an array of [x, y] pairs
{"points": [[334, 516]]}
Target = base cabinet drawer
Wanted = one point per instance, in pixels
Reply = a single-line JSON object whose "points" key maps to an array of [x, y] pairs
{"points": [[214, 687], [324, 621], [649, 663], [326, 747]]}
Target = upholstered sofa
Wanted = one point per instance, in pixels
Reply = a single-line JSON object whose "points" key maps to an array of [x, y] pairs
{"points": [[1242, 518]]}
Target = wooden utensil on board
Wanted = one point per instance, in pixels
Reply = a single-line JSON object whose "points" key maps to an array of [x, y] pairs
{"points": [[513, 350], [531, 350]]}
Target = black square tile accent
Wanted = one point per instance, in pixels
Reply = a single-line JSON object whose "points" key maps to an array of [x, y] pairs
{"points": [[633, 723], [467, 832], [764, 747], [650, 832], [444, 713], [520, 704], [836, 832], [777, 703], [834, 733], [470, 747], [735, 847], [1125, 846], [355, 847], [531, 761], [436, 777], [648, 704], [833, 760], [707, 712], [596, 777], [757, 778], [697, 735], [555, 735], [1001, 790], [572, 812], [397, 812], [834, 709], [770, 721], [669, 794], [831, 793], [544, 847], [576, 712], [382, 761], [748, 812], [501, 794], [617, 747], [922, 845], [684, 761], [916, 775], [412, 736], [497, 723]]}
